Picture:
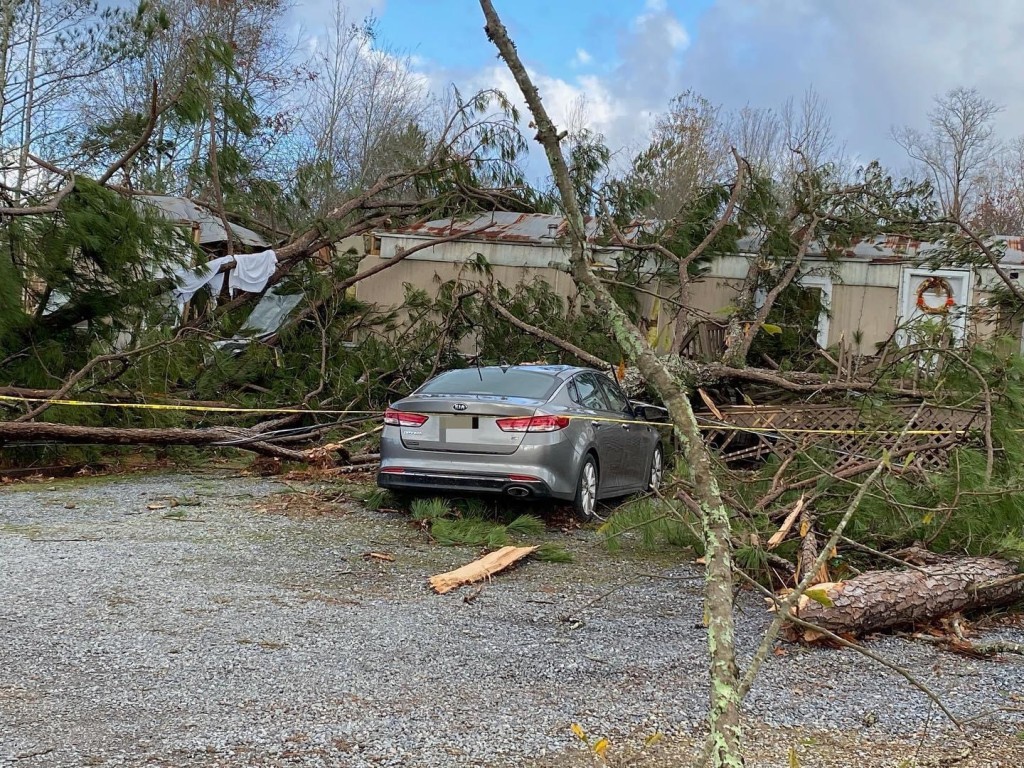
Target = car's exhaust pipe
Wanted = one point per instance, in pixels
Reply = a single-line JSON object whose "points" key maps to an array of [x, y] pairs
{"points": [[518, 491]]}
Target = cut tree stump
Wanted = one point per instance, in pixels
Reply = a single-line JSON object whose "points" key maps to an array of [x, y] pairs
{"points": [[877, 600], [480, 569]]}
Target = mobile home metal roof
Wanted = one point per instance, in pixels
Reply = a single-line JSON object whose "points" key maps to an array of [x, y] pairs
{"points": [[211, 228], [896, 248], [508, 227]]}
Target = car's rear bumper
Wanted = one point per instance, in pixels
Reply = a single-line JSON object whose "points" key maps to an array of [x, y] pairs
{"points": [[548, 458], [421, 480]]}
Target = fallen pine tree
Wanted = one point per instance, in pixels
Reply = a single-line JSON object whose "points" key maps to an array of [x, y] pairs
{"points": [[233, 437], [888, 599]]}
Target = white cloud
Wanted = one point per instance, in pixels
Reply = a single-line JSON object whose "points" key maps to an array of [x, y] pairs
{"points": [[877, 63], [560, 96], [620, 102], [657, 15], [622, 89], [603, 109], [582, 58], [677, 33]]}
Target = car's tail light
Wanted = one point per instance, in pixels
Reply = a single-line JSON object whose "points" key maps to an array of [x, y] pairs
{"points": [[524, 479], [393, 470], [402, 419], [533, 424]]}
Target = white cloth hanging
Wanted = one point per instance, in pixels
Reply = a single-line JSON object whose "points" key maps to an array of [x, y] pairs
{"points": [[252, 271], [191, 281]]}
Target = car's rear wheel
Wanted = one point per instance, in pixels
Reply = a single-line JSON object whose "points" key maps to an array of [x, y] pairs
{"points": [[657, 470], [585, 503]]}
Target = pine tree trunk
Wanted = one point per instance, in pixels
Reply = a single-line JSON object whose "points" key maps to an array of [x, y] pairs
{"points": [[878, 600], [67, 433]]}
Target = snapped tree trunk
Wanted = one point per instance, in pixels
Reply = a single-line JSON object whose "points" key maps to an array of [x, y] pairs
{"points": [[878, 600]]}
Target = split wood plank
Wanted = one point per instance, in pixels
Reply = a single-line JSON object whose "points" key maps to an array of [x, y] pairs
{"points": [[480, 569]]}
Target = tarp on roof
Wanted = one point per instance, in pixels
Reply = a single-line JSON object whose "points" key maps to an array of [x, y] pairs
{"points": [[211, 228]]}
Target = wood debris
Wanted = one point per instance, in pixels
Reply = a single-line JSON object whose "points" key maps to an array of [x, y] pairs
{"points": [[480, 569], [787, 524]]}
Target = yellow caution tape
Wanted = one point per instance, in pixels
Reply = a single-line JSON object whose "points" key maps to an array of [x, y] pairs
{"points": [[332, 412], [192, 408], [799, 431]]}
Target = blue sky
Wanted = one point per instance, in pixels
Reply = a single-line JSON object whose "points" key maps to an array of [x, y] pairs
{"points": [[549, 32], [877, 63]]}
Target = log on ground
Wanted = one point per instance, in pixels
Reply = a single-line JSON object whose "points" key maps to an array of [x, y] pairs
{"points": [[480, 569], [879, 600]]}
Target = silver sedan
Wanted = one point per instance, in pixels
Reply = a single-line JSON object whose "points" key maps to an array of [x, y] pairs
{"points": [[556, 432]]}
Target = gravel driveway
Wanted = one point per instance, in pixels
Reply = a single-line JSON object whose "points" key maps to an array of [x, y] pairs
{"points": [[173, 620]]}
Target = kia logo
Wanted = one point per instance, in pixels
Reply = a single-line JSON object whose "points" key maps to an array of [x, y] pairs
{"points": [[460, 406]]}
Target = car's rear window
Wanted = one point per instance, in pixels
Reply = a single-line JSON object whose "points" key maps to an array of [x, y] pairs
{"points": [[513, 382]]}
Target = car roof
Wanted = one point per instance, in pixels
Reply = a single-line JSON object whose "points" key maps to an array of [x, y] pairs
{"points": [[558, 371]]}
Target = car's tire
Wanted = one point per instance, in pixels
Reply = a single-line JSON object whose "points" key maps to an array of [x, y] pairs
{"points": [[657, 472], [585, 502]]}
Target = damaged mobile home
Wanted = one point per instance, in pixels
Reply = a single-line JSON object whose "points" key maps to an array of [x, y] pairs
{"points": [[869, 294]]}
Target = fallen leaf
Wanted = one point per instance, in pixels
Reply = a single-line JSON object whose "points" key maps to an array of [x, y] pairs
{"points": [[156, 506], [653, 739], [601, 747], [820, 596], [379, 556]]}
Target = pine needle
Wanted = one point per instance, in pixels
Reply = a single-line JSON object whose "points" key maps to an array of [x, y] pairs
{"points": [[552, 553], [429, 509], [526, 525]]}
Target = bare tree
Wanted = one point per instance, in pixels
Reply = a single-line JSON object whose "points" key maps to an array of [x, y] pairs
{"points": [[48, 49], [956, 148], [779, 144], [362, 109], [756, 135], [689, 151], [1000, 193], [807, 132]]}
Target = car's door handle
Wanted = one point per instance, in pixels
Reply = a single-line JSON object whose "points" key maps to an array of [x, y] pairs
{"points": [[626, 427], [595, 424]]}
